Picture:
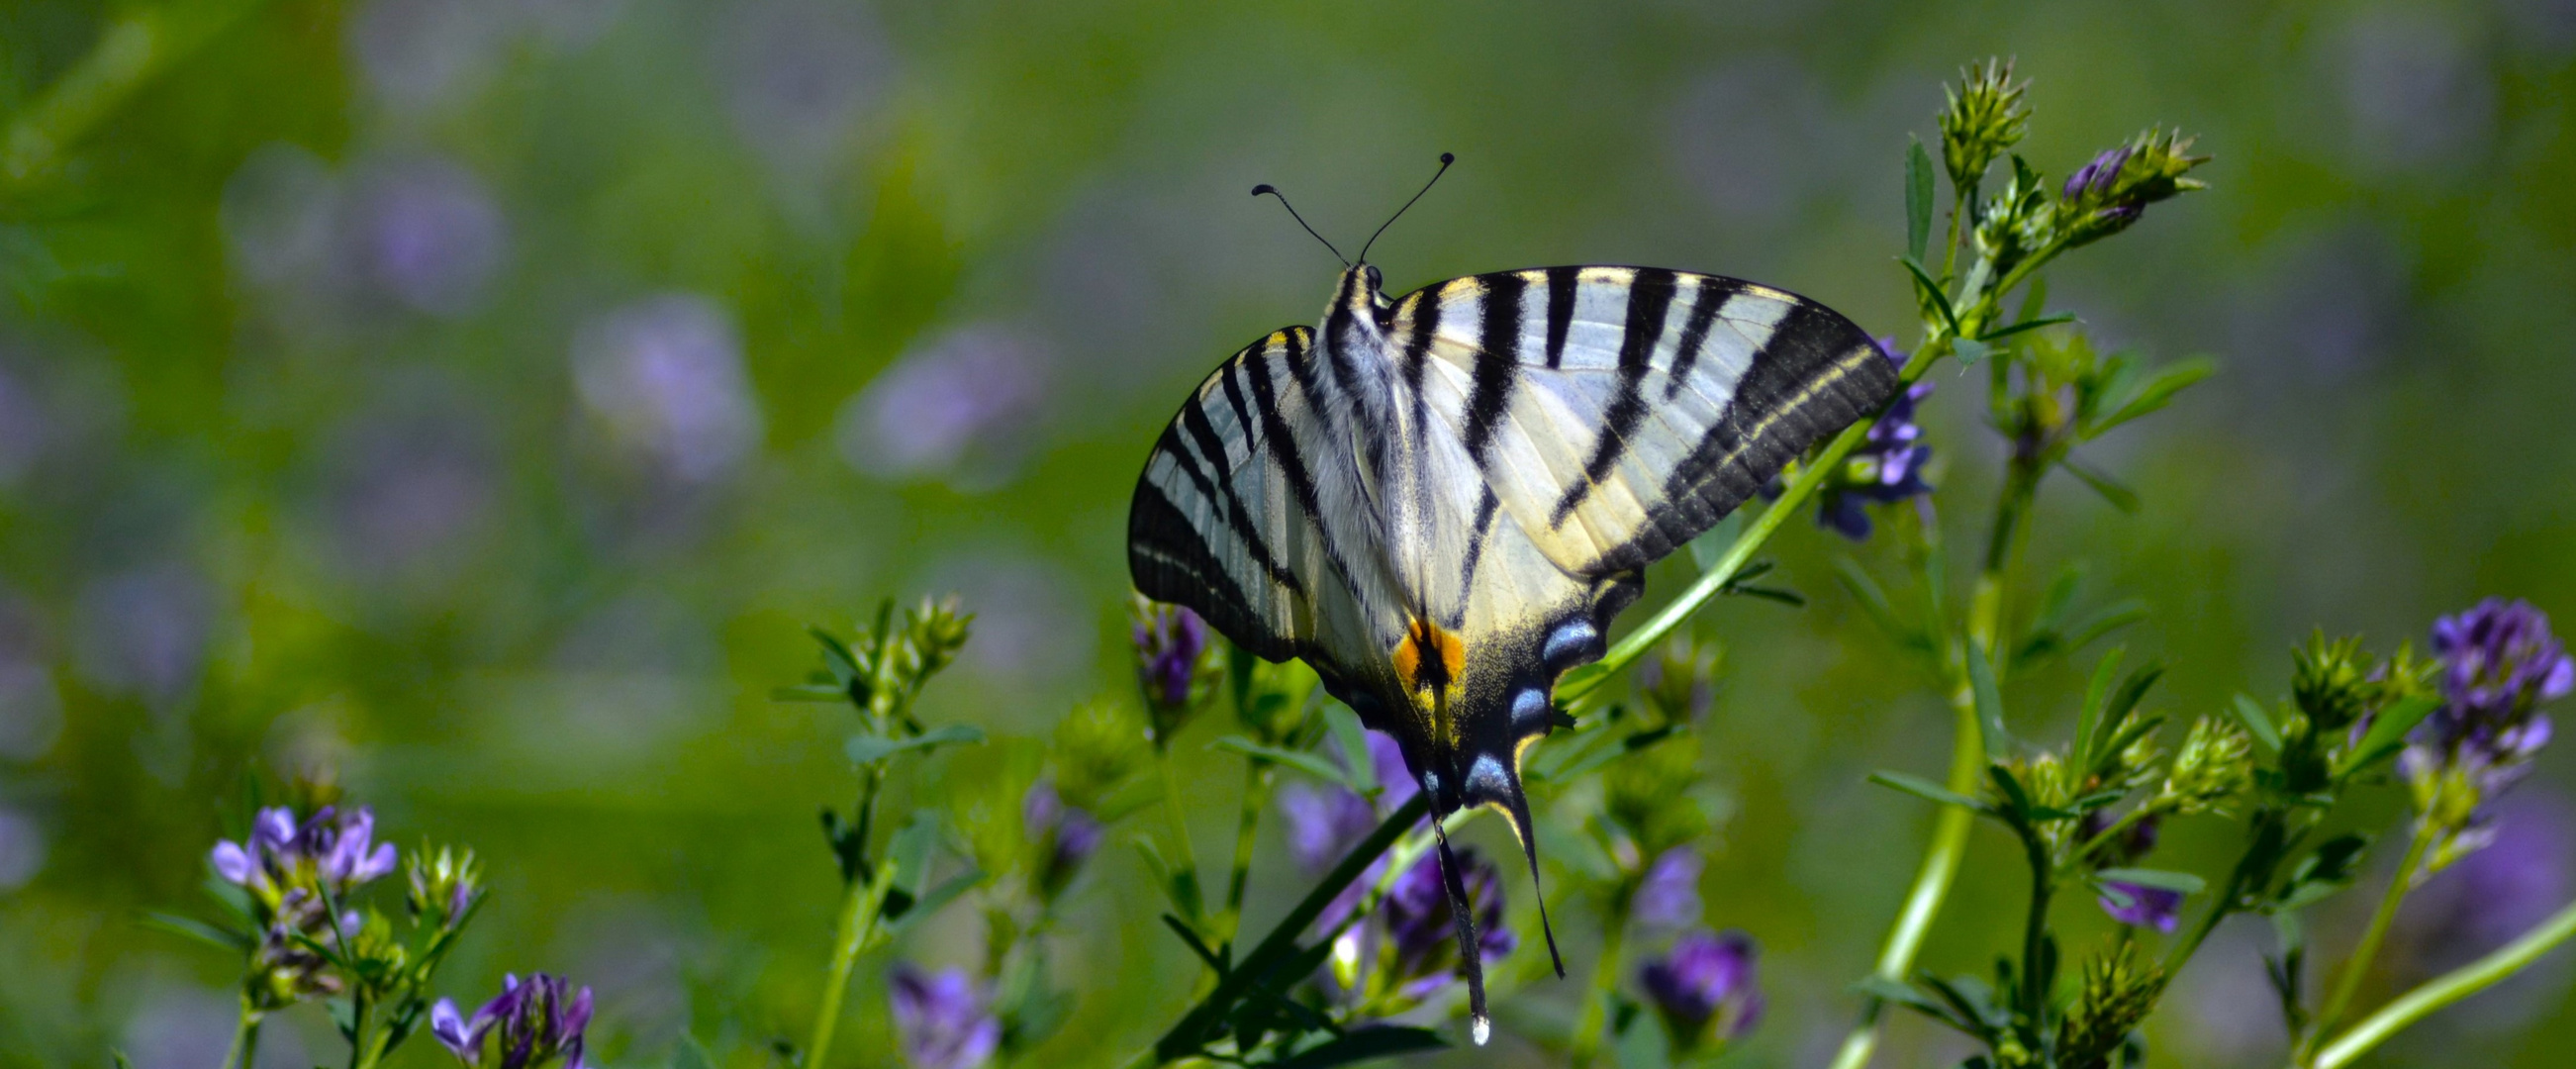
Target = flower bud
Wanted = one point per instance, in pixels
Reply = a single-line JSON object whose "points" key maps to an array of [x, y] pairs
{"points": [[1986, 117]]}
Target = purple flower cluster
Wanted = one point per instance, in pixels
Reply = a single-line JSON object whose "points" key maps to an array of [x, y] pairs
{"points": [[1668, 897], [2096, 180], [1171, 643], [944, 1019], [2498, 662], [533, 1023], [2137, 905], [1064, 836], [1705, 989], [1421, 929], [294, 872], [1887, 466]]}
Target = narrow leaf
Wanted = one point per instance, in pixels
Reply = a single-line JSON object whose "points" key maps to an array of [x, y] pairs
{"points": [[1924, 789], [1932, 294], [198, 930], [1918, 200], [1198, 946], [869, 749], [1302, 761], [2258, 723], [1971, 350], [2089, 720], [1874, 602], [2158, 392], [2388, 731], [2160, 879], [2120, 497], [2001, 333]]}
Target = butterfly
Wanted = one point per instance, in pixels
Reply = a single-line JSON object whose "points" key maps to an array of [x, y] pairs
{"points": [[1440, 501]]}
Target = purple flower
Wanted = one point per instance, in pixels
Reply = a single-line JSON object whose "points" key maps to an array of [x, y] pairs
{"points": [[1395, 780], [1887, 466], [1422, 932], [430, 235], [1323, 822], [2098, 176], [1705, 988], [964, 407], [665, 376], [943, 1019], [1173, 664], [1065, 836], [537, 1023], [2141, 906], [1669, 895], [291, 869], [2498, 662]]}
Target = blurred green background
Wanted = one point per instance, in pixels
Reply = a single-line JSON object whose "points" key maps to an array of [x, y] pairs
{"points": [[478, 397]]}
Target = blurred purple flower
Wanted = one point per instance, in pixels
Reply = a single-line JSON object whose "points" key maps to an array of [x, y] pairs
{"points": [[23, 427], [943, 1019], [1668, 897], [1169, 640], [665, 374], [962, 407], [2098, 176], [1065, 835], [1422, 933], [2419, 91], [2498, 662], [428, 233], [2526, 873], [145, 631], [537, 1022], [1705, 988], [406, 485], [414, 54], [2141, 906], [1323, 823], [1887, 466], [1394, 779], [798, 76]]}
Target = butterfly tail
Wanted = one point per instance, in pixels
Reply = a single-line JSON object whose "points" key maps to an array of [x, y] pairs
{"points": [[1518, 806], [1470, 954]]}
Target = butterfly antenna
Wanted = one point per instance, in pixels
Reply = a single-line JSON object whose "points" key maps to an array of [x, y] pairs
{"points": [[1445, 160], [1266, 187]]}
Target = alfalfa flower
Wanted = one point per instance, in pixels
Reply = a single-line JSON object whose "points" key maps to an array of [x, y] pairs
{"points": [[1887, 466], [293, 872], [943, 1020], [1063, 836], [1705, 989], [1420, 955], [2498, 662], [1177, 665], [2107, 195], [533, 1024]]}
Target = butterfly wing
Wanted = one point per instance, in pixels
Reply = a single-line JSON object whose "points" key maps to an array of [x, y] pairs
{"points": [[1243, 516]]}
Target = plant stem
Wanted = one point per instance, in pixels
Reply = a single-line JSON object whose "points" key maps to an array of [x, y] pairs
{"points": [[1605, 979], [2357, 967], [1186, 1036], [1184, 860], [1247, 827], [857, 925], [245, 1045], [2450, 987]]}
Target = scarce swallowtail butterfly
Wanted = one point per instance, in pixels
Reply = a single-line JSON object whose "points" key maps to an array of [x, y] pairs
{"points": [[1440, 501]]}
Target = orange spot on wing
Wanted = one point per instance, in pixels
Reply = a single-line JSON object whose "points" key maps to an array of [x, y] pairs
{"points": [[1429, 658]]}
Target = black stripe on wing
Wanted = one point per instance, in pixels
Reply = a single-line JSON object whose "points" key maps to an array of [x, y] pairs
{"points": [[1650, 298], [1816, 374], [1171, 556]]}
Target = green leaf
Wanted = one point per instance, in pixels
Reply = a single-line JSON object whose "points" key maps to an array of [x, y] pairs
{"points": [[1303, 761], [1990, 703], [198, 930], [1364, 1044], [1599, 756], [1352, 736], [2258, 723], [2110, 618], [809, 692], [2158, 392], [2089, 720], [1874, 602], [2120, 497], [2388, 732], [1970, 351], [2028, 324], [1918, 200], [2160, 879], [1925, 789], [869, 749], [1198, 946], [931, 901], [1932, 295]]}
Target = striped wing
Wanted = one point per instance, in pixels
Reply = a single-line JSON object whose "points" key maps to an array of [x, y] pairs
{"points": [[1615, 413], [1244, 514]]}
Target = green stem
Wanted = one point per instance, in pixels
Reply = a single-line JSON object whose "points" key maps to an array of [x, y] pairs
{"points": [[1247, 827], [130, 52], [857, 925], [1588, 1035], [2357, 968], [245, 1045], [2450, 987], [1193, 1027], [2043, 885], [1184, 860]]}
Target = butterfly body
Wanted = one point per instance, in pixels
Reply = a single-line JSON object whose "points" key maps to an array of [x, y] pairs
{"points": [[1441, 501]]}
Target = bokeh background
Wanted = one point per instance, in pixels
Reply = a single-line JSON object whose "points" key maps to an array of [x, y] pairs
{"points": [[476, 398]]}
